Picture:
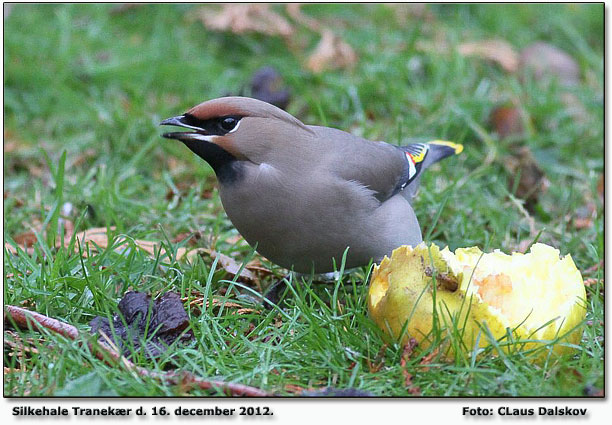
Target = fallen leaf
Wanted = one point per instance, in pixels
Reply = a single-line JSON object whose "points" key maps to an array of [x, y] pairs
{"points": [[19, 346], [594, 268], [228, 264], [26, 239], [98, 237], [379, 360], [406, 12], [236, 239], [601, 187], [267, 85], [507, 121], [498, 51], [257, 267], [84, 156], [546, 61], [10, 146], [428, 358], [244, 18], [582, 223], [585, 216], [532, 181], [295, 11], [294, 389], [331, 53], [575, 108], [406, 354], [160, 323], [592, 282], [124, 7], [193, 237]]}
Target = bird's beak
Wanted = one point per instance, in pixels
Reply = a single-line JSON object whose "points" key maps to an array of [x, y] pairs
{"points": [[183, 136]]}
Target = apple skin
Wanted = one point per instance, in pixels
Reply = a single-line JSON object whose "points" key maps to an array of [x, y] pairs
{"points": [[405, 288]]}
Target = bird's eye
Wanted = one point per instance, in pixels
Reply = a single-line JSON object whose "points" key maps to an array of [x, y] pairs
{"points": [[228, 123]]}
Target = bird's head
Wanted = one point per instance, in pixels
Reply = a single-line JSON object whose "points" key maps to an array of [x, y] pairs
{"points": [[243, 127]]}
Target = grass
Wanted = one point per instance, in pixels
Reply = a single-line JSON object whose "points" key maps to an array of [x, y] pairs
{"points": [[84, 90]]}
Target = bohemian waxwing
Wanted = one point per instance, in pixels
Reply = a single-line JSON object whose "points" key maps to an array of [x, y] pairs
{"points": [[303, 194]]}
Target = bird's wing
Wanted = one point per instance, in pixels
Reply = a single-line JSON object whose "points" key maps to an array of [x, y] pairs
{"points": [[383, 168], [377, 166]]}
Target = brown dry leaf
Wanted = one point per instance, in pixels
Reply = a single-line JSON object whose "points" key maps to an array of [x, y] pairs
{"points": [[18, 202], [295, 11], [12, 275], [84, 156], [331, 53], [294, 389], [524, 245], [532, 181], [12, 142], [26, 239], [601, 187], [18, 345], [216, 302], [498, 51], [243, 18], [379, 360], [124, 7], [231, 266], [99, 237], [507, 121], [594, 268], [10, 146], [405, 12], [236, 239], [428, 358], [406, 354], [575, 108], [257, 267], [592, 282], [545, 61], [439, 44], [10, 248], [585, 216], [582, 223], [193, 237]]}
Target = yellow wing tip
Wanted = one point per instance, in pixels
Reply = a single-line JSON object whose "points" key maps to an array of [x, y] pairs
{"points": [[456, 146]]}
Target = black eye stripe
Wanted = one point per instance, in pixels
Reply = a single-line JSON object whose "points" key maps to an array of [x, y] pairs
{"points": [[193, 121], [214, 126]]}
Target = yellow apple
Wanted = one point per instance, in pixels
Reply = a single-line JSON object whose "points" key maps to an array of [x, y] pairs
{"points": [[517, 301]]}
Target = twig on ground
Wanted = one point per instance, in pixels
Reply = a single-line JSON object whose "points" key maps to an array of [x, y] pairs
{"points": [[26, 319]]}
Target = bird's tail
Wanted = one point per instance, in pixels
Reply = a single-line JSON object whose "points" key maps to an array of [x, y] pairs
{"points": [[419, 157], [440, 149]]}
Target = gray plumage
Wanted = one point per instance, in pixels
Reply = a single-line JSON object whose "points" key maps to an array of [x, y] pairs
{"points": [[303, 194]]}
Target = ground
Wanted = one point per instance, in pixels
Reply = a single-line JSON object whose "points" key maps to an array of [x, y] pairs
{"points": [[86, 85]]}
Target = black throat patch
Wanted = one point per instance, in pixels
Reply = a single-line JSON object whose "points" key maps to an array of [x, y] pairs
{"points": [[226, 166]]}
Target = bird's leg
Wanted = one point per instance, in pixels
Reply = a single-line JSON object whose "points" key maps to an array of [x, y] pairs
{"points": [[330, 277], [273, 294]]}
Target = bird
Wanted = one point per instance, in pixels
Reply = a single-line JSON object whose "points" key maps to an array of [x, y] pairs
{"points": [[308, 197]]}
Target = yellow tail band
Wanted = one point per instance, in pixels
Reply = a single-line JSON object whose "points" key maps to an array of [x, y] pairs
{"points": [[456, 146]]}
